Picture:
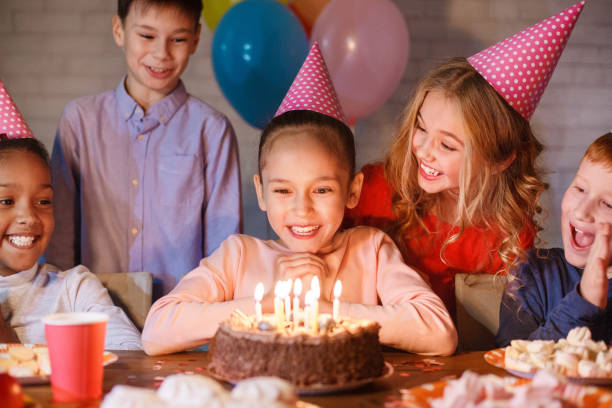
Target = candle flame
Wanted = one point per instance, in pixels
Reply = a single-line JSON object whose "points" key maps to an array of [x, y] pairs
{"points": [[297, 287], [278, 288], [309, 298], [259, 291], [337, 289], [315, 287], [288, 289]]}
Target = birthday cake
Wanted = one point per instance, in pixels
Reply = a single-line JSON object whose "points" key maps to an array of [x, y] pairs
{"points": [[337, 352]]}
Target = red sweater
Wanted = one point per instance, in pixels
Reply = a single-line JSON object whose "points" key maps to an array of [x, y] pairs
{"points": [[474, 252]]}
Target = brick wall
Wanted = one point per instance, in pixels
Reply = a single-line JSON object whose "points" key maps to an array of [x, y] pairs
{"points": [[55, 50]]}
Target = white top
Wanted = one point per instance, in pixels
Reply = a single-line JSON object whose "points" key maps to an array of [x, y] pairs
{"points": [[26, 297]]}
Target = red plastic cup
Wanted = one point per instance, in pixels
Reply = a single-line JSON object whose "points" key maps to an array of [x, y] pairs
{"points": [[76, 351]]}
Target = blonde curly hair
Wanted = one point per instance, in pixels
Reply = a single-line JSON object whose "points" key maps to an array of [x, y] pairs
{"points": [[490, 196]]}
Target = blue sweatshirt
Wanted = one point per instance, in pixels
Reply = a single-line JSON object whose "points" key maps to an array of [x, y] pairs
{"points": [[547, 303]]}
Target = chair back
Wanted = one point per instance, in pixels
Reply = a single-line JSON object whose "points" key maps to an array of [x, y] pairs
{"points": [[478, 301], [132, 291]]}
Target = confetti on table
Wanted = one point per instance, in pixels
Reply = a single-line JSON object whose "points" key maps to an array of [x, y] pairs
{"points": [[404, 374], [159, 378], [156, 367]]}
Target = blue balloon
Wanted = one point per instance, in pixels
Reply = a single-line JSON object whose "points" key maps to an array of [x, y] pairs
{"points": [[257, 50]]}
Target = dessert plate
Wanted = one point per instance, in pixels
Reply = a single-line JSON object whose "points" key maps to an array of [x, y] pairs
{"points": [[321, 389], [422, 395], [108, 358], [496, 357]]}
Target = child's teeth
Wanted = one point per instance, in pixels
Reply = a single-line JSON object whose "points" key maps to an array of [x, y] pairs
{"points": [[304, 230], [21, 240], [429, 170]]}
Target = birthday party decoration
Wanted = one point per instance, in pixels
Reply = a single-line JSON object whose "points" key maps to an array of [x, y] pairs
{"points": [[366, 46], [11, 122], [257, 49], [520, 66], [312, 89]]}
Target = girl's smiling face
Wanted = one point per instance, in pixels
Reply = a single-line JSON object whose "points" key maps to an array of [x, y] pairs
{"points": [[304, 190], [26, 210], [587, 201], [438, 143]]}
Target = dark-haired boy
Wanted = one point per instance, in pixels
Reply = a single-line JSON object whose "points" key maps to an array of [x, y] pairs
{"points": [[146, 176]]}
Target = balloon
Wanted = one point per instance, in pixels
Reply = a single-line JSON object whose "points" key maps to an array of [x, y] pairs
{"points": [[308, 11], [366, 45], [213, 10], [257, 50]]}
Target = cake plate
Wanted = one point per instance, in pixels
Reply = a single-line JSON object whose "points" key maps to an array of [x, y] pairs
{"points": [[321, 389]]}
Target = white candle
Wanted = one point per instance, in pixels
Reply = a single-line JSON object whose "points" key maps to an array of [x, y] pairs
{"points": [[316, 290], [286, 295], [259, 291], [297, 291], [278, 305], [308, 299], [336, 304]]}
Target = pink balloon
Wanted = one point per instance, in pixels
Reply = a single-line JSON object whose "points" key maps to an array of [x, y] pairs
{"points": [[366, 45]]}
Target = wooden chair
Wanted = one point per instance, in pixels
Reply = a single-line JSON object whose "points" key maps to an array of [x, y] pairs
{"points": [[478, 300], [132, 291]]}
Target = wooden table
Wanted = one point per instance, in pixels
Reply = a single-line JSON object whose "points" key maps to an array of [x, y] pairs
{"points": [[137, 369]]}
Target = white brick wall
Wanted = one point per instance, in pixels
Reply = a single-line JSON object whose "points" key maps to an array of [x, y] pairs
{"points": [[55, 50]]}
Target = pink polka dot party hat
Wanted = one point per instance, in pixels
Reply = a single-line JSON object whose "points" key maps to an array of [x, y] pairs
{"points": [[312, 89], [520, 66], [11, 121]]}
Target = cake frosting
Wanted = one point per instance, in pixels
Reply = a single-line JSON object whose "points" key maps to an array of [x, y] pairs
{"points": [[338, 353]]}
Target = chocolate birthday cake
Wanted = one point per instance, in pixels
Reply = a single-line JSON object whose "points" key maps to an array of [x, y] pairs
{"points": [[337, 353]]}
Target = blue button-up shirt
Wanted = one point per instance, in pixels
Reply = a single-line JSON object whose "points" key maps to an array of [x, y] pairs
{"points": [[143, 191]]}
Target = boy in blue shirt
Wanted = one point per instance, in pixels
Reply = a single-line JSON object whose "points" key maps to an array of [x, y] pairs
{"points": [[146, 176], [559, 289]]}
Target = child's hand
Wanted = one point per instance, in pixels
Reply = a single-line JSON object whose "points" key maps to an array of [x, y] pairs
{"points": [[594, 282], [304, 266]]}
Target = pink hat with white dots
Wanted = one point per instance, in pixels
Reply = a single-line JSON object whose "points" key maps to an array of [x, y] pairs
{"points": [[11, 121], [520, 67], [312, 89]]}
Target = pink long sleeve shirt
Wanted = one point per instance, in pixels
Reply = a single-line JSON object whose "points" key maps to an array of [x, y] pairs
{"points": [[376, 284]]}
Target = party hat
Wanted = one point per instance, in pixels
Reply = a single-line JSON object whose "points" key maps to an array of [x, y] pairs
{"points": [[520, 67], [312, 89], [11, 121]]}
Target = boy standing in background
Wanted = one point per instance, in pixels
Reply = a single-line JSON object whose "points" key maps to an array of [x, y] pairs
{"points": [[146, 176]]}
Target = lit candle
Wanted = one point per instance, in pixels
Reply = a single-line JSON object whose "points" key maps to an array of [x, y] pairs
{"points": [[286, 295], [259, 291], [297, 291], [316, 290], [308, 299], [278, 305], [336, 304]]}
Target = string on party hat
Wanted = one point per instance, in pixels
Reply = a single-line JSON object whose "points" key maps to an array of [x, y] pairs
{"points": [[520, 66], [312, 89], [11, 121]]}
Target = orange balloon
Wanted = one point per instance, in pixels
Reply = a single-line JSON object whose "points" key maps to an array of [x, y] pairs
{"points": [[308, 11]]}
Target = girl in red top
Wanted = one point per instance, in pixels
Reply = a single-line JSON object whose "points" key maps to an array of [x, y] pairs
{"points": [[458, 190]]}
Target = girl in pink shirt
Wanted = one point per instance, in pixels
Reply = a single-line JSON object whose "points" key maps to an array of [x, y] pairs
{"points": [[305, 181]]}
